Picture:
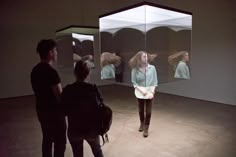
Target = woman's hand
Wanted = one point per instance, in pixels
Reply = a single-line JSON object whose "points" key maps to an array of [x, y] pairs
{"points": [[150, 95], [144, 93]]}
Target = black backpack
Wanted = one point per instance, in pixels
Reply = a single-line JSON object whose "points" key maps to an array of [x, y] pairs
{"points": [[104, 118], [105, 121]]}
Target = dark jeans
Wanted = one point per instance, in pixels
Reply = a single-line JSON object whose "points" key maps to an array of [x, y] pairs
{"points": [[94, 142], [54, 136], [145, 104]]}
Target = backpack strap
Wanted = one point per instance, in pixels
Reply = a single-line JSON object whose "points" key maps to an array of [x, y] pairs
{"points": [[99, 96], [101, 104], [105, 139]]}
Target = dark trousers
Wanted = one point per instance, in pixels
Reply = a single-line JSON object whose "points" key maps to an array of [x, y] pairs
{"points": [[54, 137], [94, 143], [145, 110]]}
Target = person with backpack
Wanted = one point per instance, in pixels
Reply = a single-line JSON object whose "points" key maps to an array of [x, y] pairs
{"points": [[80, 101]]}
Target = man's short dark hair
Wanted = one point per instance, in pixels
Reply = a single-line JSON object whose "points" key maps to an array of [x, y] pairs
{"points": [[44, 46], [81, 70]]}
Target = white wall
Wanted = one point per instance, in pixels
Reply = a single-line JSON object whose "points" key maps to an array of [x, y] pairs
{"points": [[25, 22]]}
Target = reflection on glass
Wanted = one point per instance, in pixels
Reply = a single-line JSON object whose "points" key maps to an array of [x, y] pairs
{"points": [[179, 61], [119, 70], [89, 60], [83, 48], [76, 43], [150, 28], [143, 75], [108, 61], [76, 58]]}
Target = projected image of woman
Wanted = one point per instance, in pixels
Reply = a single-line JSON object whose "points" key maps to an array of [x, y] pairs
{"points": [[76, 58], [88, 59], [182, 70], [144, 79], [108, 62]]}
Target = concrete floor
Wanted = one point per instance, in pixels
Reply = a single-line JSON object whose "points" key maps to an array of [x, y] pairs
{"points": [[180, 127]]}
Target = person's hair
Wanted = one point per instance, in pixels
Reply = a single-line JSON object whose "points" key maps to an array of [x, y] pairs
{"points": [[87, 57], [76, 57], [183, 53], [109, 58], [44, 47], [176, 57], [81, 70], [136, 61]]}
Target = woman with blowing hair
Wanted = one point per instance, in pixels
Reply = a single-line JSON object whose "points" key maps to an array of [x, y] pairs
{"points": [[144, 80], [108, 61], [180, 62]]}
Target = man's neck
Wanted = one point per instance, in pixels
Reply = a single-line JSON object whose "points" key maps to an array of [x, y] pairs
{"points": [[50, 62], [79, 81]]}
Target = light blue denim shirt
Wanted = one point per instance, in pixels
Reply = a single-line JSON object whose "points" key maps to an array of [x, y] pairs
{"points": [[108, 72], [182, 71], [147, 79]]}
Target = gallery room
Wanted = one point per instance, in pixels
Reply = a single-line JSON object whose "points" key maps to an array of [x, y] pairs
{"points": [[165, 68]]}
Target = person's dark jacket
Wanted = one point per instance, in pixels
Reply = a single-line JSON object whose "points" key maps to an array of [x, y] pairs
{"points": [[80, 105]]}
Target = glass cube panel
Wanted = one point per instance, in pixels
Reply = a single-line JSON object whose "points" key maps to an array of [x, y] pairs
{"points": [[164, 34], [75, 43]]}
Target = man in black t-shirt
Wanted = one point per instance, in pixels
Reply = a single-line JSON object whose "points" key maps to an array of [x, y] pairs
{"points": [[47, 89]]}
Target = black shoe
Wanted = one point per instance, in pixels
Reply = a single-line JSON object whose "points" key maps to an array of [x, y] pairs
{"points": [[145, 132], [141, 127]]}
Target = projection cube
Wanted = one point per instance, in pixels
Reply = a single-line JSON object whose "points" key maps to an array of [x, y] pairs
{"points": [[151, 28]]}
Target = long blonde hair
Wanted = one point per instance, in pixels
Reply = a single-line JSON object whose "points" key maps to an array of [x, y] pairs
{"points": [[135, 61], [109, 58]]}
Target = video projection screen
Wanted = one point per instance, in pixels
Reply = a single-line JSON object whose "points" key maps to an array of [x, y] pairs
{"points": [[83, 48], [163, 34], [75, 43]]}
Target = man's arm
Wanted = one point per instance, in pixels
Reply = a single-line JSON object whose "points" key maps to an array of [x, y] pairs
{"points": [[57, 90]]}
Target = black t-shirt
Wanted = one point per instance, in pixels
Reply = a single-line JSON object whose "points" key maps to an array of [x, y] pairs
{"points": [[43, 77]]}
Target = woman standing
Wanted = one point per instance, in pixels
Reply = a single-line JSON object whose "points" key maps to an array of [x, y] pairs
{"points": [[144, 79]]}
